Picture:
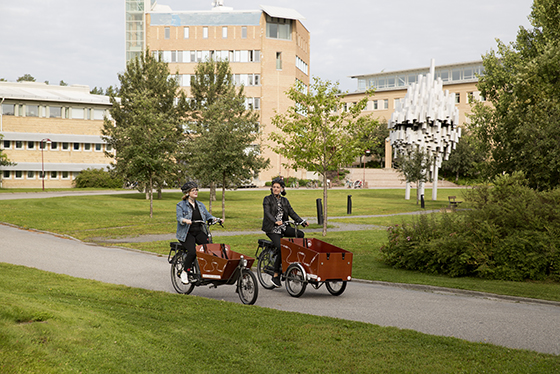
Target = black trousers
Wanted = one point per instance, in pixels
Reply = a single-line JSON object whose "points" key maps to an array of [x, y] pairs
{"points": [[289, 233], [189, 245]]}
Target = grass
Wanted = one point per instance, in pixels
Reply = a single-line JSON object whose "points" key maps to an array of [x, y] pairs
{"points": [[59, 324], [93, 218]]}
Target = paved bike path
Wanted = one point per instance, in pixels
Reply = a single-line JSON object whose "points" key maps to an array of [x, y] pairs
{"points": [[483, 318]]}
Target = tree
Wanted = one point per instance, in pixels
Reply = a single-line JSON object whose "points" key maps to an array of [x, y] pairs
{"points": [[26, 78], [414, 166], [467, 160], [147, 126], [96, 91], [521, 80], [222, 147], [4, 161], [62, 83], [316, 135]]}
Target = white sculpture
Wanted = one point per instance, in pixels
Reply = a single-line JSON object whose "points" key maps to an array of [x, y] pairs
{"points": [[426, 120]]}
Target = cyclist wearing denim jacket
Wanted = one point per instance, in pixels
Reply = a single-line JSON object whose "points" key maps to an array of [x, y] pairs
{"points": [[190, 234], [277, 209]]}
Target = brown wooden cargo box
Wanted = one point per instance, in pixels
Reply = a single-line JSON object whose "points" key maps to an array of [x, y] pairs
{"points": [[218, 261]]}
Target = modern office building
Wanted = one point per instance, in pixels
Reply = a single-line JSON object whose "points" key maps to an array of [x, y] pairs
{"points": [[50, 129], [268, 50], [390, 87]]}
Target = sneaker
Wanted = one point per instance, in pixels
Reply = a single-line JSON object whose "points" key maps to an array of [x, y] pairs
{"points": [[185, 277], [276, 282]]}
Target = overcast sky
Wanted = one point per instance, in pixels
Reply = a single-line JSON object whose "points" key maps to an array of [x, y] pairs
{"points": [[82, 41]]}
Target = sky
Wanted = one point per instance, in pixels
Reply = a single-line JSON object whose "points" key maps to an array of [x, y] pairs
{"points": [[82, 41]]}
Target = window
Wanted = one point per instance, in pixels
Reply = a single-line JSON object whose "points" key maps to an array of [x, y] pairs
{"points": [[65, 175], [65, 146], [32, 110], [54, 146], [444, 75], [30, 174], [30, 145], [224, 32], [457, 98], [278, 60], [185, 32], [243, 32], [55, 112], [76, 146], [7, 144], [98, 114], [205, 32], [108, 147], [167, 33], [19, 144], [375, 105], [278, 28], [54, 175], [8, 109], [77, 113], [98, 147], [302, 65], [87, 146], [255, 56], [456, 74], [386, 104], [6, 174], [43, 145], [19, 174]]}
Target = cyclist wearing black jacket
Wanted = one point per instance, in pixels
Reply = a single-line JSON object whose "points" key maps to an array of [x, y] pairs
{"points": [[277, 209]]}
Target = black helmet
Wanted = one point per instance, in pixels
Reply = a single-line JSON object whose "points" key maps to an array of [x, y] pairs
{"points": [[188, 186], [280, 181]]}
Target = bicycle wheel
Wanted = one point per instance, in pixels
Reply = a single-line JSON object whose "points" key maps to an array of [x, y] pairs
{"points": [[336, 288], [295, 283], [247, 287], [176, 271], [265, 268]]}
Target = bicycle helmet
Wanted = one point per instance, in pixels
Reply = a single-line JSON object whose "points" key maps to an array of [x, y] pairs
{"points": [[188, 186], [280, 181]]}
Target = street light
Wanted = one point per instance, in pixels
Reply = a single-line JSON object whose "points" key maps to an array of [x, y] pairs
{"points": [[43, 160]]}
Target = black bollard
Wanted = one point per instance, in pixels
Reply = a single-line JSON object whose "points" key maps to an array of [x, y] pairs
{"points": [[319, 212], [349, 205], [422, 201]]}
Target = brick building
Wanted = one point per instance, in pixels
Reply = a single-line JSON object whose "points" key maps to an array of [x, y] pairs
{"points": [[52, 128]]}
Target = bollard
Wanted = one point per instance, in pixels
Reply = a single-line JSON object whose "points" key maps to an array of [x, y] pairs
{"points": [[319, 212], [422, 201], [349, 205]]}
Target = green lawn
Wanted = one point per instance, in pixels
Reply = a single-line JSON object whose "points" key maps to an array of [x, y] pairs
{"points": [[111, 216], [52, 323]]}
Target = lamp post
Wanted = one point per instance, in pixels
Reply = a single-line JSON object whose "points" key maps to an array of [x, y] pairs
{"points": [[43, 160]]}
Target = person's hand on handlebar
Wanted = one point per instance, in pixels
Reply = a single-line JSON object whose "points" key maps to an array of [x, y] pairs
{"points": [[304, 223], [186, 221]]}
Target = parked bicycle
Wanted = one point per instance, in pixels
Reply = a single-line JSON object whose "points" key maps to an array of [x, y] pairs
{"points": [[215, 265]]}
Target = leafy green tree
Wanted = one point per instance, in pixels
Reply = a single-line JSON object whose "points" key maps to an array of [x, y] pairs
{"points": [[4, 161], [521, 80], [96, 91], [414, 167], [222, 145], [317, 136], [62, 83], [26, 78], [147, 126], [467, 159]]}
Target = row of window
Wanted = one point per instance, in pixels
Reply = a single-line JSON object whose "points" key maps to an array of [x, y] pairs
{"points": [[276, 28], [185, 80], [201, 56], [302, 65], [55, 146], [30, 174], [32, 110], [404, 80], [205, 32]]}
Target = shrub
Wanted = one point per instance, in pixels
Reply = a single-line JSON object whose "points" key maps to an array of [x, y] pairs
{"points": [[512, 233], [97, 178]]}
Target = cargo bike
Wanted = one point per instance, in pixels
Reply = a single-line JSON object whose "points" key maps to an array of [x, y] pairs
{"points": [[305, 261], [215, 265]]}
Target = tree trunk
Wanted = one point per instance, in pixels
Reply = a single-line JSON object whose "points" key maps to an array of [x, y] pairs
{"points": [[224, 198], [211, 198], [325, 215], [159, 196], [151, 198]]}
